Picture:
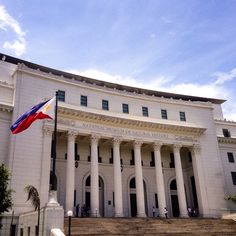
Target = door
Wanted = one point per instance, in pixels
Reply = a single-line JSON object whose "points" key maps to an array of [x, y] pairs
{"points": [[133, 204], [175, 205]]}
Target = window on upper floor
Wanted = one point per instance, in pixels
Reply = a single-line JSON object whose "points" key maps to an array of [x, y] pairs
{"points": [[145, 111], [230, 157], [226, 133], [182, 116], [105, 105], [125, 108], [233, 174], [83, 101], [164, 114], [61, 95]]}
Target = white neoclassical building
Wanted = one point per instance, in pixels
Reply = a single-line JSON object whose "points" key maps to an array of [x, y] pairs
{"points": [[120, 150]]}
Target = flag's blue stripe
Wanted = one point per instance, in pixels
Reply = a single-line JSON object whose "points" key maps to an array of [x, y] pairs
{"points": [[27, 114]]}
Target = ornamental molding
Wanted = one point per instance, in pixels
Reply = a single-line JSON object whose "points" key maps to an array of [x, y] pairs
{"points": [[124, 134], [126, 121], [226, 140], [6, 107], [6, 84]]}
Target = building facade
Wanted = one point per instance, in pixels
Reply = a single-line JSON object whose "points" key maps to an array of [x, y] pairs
{"points": [[120, 150]]}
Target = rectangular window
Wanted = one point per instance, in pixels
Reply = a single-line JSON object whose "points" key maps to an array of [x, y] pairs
{"points": [[182, 116], [132, 158], [125, 108], [233, 174], [83, 100], [152, 162], [190, 157], [164, 114], [230, 156], [226, 133], [172, 160], [145, 111], [61, 95], [105, 105]]}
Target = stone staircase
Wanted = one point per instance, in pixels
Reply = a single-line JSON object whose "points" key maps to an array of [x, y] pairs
{"points": [[150, 227]]}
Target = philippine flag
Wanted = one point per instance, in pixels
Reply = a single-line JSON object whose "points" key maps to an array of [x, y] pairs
{"points": [[41, 111]]}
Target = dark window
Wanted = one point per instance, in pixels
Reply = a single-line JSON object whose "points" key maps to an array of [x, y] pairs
{"points": [[125, 108], [111, 159], [105, 105], [28, 231], [182, 116], [74, 197], [113, 199], [156, 200], [99, 158], [83, 101], [145, 111], [173, 185], [61, 95], [164, 114], [226, 133], [172, 160], [233, 174], [87, 182], [65, 156], [132, 183], [77, 157], [132, 156], [152, 162], [230, 156], [190, 157], [21, 231]]}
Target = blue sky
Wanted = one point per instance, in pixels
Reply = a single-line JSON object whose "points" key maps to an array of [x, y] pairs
{"points": [[181, 46]]}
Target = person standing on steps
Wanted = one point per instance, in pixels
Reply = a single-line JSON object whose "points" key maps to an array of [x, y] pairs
{"points": [[166, 212], [153, 211]]}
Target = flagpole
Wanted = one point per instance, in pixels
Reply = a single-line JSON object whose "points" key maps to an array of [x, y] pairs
{"points": [[54, 187]]}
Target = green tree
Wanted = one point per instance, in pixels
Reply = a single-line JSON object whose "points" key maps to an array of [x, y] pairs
{"points": [[231, 198], [5, 191], [33, 196]]}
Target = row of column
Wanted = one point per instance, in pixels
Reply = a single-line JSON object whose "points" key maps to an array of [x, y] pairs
{"points": [[70, 175]]}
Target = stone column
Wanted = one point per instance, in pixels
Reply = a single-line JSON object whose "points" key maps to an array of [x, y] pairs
{"points": [[139, 180], [94, 187], [70, 171], [180, 182], [159, 179], [45, 165], [199, 180], [117, 179]]}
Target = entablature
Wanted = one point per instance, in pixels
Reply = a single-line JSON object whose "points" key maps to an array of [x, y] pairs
{"points": [[6, 107], [228, 140], [128, 121]]}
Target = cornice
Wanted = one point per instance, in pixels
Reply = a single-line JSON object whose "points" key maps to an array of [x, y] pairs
{"points": [[225, 122], [226, 140], [6, 107], [129, 121], [6, 84], [104, 89]]}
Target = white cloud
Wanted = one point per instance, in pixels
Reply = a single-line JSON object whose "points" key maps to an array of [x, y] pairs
{"points": [[8, 22], [223, 77]]}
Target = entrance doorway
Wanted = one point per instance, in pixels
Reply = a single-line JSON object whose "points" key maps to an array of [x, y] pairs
{"points": [[174, 199], [133, 197], [101, 194]]}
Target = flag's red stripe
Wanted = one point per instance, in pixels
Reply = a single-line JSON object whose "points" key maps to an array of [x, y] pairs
{"points": [[29, 120]]}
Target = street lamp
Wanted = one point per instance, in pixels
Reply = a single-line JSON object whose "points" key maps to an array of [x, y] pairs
{"points": [[70, 214]]}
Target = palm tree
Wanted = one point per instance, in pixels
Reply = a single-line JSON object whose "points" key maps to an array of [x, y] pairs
{"points": [[33, 196]]}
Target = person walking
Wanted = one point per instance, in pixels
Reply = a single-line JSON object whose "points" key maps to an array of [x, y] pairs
{"points": [[166, 212], [153, 211]]}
